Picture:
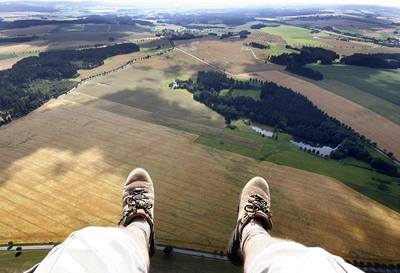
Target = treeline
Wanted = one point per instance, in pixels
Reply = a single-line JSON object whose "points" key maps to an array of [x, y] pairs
{"points": [[176, 35], [22, 39], [241, 34], [201, 27], [17, 95], [257, 26], [215, 18], [304, 71], [283, 109], [353, 148], [306, 55], [258, 45], [295, 62], [377, 60], [93, 19]]}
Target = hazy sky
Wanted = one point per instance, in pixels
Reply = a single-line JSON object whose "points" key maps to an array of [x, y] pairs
{"points": [[243, 3]]}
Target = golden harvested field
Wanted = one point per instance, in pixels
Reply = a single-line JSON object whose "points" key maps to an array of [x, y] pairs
{"points": [[229, 55], [111, 64], [8, 63], [22, 48], [259, 36], [375, 127], [63, 167]]}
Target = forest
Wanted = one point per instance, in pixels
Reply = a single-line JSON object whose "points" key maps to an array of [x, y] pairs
{"points": [[258, 26], [377, 60], [17, 93], [258, 45], [295, 62], [284, 109], [92, 19], [306, 55]]}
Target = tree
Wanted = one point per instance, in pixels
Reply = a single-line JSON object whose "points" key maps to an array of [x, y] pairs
{"points": [[383, 187], [10, 245], [384, 167], [19, 251], [168, 250]]}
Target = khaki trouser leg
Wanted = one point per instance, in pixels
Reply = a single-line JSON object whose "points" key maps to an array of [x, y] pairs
{"points": [[101, 249], [265, 254]]}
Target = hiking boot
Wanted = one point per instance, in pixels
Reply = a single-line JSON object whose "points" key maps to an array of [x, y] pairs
{"points": [[254, 203], [138, 202]]}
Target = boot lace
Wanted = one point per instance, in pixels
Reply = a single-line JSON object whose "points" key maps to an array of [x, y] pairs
{"points": [[257, 203], [135, 200]]}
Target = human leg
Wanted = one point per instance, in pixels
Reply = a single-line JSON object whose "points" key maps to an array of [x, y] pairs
{"points": [[251, 244], [112, 249]]}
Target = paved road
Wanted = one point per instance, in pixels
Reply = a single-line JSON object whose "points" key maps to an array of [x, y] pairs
{"points": [[159, 248], [29, 247]]}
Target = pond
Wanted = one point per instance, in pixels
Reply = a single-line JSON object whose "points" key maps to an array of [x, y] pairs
{"points": [[262, 131], [323, 150]]}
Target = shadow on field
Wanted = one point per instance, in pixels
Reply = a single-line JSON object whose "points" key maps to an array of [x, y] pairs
{"points": [[145, 99]]}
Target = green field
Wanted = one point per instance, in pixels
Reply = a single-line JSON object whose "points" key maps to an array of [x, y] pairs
{"points": [[128, 28], [376, 89], [69, 28], [52, 88], [160, 263], [278, 49], [353, 173], [96, 27], [11, 264], [294, 36]]}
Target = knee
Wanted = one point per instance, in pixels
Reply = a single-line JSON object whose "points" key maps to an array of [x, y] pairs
{"points": [[87, 231]]}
